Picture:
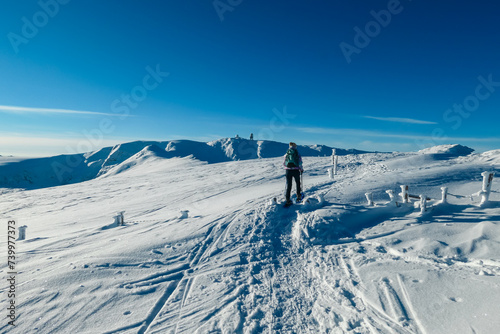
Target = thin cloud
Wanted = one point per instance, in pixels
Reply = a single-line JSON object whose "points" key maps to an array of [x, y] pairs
{"points": [[400, 120], [16, 109], [375, 134]]}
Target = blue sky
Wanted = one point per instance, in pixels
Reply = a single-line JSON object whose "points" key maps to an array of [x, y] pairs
{"points": [[373, 75]]}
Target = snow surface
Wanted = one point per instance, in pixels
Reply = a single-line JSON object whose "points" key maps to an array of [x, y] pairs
{"points": [[238, 263]]}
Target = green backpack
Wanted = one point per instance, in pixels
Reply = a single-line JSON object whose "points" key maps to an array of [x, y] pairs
{"points": [[292, 158]]}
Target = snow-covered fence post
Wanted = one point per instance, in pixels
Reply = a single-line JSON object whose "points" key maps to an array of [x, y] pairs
{"points": [[444, 195], [335, 162], [330, 173], [333, 171], [117, 220], [22, 232], [184, 214], [320, 198], [404, 194], [391, 196], [423, 203], [369, 198], [486, 190], [121, 218]]}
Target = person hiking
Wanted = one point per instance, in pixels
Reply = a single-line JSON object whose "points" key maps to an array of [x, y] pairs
{"points": [[293, 166]]}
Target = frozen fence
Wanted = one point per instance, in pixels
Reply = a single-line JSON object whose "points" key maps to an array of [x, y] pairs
{"points": [[421, 199]]}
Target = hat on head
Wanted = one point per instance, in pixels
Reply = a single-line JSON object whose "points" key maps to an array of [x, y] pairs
{"points": [[292, 144]]}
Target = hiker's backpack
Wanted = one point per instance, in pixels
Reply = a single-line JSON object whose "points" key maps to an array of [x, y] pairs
{"points": [[292, 158]]}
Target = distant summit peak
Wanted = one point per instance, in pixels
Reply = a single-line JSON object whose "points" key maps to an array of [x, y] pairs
{"points": [[452, 149]]}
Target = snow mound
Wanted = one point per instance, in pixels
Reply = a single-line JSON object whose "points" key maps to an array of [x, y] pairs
{"points": [[342, 224], [455, 149], [147, 154], [427, 157], [491, 156]]}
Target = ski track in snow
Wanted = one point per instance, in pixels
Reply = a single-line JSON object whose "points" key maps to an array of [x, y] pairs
{"points": [[248, 266]]}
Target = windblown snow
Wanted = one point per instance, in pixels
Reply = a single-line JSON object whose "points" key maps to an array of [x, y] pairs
{"points": [[235, 261]]}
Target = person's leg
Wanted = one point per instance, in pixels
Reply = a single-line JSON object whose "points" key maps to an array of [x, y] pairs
{"points": [[297, 183], [289, 176]]}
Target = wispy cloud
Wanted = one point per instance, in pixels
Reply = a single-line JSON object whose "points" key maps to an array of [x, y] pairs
{"points": [[17, 109], [400, 120], [358, 133]]}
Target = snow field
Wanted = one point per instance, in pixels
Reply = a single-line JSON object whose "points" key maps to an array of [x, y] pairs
{"points": [[239, 264]]}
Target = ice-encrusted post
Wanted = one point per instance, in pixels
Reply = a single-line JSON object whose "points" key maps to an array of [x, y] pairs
{"points": [[335, 161], [330, 173], [391, 196], [423, 203], [184, 214], [320, 198], [404, 194], [333, 171], [117, 220], [22, 232], [369, 198], [486, 190], [444, 195], [121, 218]]}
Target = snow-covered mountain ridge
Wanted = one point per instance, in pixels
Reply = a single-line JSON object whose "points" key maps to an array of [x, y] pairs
{"points": [[75, 168], [66, 169]]}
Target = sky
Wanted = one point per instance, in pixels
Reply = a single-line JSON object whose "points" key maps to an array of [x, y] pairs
{"points": [[372, 75]]}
